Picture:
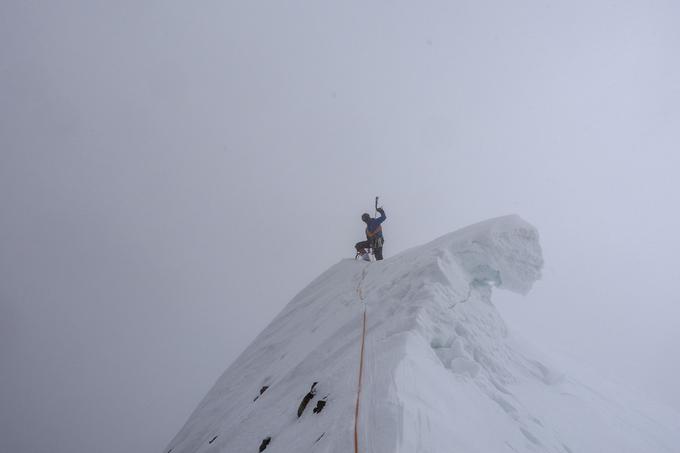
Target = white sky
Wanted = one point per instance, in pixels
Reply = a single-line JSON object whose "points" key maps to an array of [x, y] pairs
{"points": [[172, 173]]}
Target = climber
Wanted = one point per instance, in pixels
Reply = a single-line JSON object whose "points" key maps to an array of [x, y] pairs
{"points": [[374, 236]]}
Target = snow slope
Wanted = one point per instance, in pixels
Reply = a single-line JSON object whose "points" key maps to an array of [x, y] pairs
{"points": [[441, 372]]}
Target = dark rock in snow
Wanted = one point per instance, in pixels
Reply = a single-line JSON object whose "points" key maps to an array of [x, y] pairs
{"points": [[308, 397], [264, 443], [319, 406]]}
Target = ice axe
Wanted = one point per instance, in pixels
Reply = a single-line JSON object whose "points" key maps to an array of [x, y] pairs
{"points": [[376, 207]]}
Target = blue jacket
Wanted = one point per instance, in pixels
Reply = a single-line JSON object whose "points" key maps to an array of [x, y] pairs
{"points": [[373, 227]]}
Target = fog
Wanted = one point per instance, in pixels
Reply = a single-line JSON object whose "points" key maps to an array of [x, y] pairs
{"points": [[172, 173]]}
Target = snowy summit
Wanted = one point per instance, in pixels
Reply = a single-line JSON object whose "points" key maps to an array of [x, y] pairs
{"points": [[410, 355]]}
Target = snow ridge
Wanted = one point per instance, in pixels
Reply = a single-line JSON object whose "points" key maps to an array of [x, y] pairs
{"points": [[442, 373]]}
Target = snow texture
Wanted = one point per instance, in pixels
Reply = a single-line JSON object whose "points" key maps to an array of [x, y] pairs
{"points": [[441, 371]]}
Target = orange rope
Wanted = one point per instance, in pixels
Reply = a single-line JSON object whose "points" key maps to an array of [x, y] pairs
{"points": [[361, 369], [361, 372]]}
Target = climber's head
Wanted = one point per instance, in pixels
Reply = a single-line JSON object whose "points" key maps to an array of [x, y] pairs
{"points": [[365, 217]]}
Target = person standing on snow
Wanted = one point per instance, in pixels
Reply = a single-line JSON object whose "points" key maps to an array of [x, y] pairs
{"points": [[374, 236]]}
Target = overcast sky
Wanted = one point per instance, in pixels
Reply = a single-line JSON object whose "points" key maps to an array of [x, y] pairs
{"points": [[172, 173]]}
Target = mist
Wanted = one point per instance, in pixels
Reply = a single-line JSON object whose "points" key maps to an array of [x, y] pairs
{"points": [[172, 174]]}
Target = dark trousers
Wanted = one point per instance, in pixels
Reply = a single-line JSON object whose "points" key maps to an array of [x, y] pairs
{"points": [[363, 245]]}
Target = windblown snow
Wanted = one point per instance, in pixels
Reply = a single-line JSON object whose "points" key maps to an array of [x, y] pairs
{"points": [[441, 372]]}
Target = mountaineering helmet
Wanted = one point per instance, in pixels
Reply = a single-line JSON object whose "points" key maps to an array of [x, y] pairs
{"points": [[365, 217]]}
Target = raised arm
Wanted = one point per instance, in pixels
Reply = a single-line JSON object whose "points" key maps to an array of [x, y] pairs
{"points": [[382, 217]]}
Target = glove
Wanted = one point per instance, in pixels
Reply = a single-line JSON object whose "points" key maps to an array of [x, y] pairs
{"points": [[380, 210]]}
